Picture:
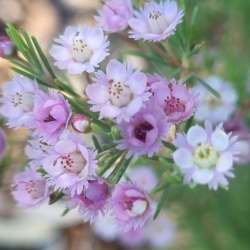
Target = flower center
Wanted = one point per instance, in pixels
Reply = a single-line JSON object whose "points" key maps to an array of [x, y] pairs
{"points": [[80, 50], [120, 95], [138, 208], [23, 101], [205, 157], [141, 130], [157, 21], [174, 105], [35, 189], [73, 163], [213, 102]]}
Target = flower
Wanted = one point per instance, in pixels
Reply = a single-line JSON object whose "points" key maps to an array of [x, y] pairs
{"points": [[114, 15], [93, 200], [237, 127], [118, 94], [142, 135], [160, 233], [212, 108], [156, 21], [30, 188], [18, 101], [70, 165], [80, 50], [176, 100], [2, 143], [80, 123], [144, 177], [205, 156], [133, 238], [52, 113], [131, 206], [6, 46], [37, 148]]}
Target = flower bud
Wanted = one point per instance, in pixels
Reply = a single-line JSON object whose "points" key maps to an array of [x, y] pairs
{"points": [[80, 123]]}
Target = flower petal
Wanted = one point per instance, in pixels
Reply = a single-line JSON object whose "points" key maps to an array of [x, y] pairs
{"points": [[97, 93], [203, 176], [196, 135], [225, 162], [220, 140], [183, 158], [137, 83], [116, 71]]}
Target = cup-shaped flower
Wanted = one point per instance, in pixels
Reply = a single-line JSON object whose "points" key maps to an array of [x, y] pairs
{"points": [[131, 206], [70, 165], [17, 102], [80, 123], [206, 156], [156, 21], [142, 135], [177, 101], [80, 50], [212, 108], [2, 143], [93, 201], [114, 15], [118, 94], [30, 188], [52, 113]]}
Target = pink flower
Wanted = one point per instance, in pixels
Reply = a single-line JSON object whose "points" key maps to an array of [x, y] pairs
{"points": [[142, 135], [177, 101], [131, 206], [70, 165], [80, 50], [206, 156], [114, 15], [118, 94], [80, 123], [30, 188], [18, 101], [156, 21], [52, 113], [6, 46], [133, 238], [93, 200]]}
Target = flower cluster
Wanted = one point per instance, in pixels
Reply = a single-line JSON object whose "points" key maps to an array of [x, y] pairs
{"points": [[193, 131]]}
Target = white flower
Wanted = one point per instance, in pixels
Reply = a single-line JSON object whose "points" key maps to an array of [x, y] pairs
{"points": [[18, 101], [212, 108], [205, 156], [80, 50]]}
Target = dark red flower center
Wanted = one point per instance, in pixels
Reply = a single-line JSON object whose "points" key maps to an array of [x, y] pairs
{"points": [[141, 130], [49, 118], [174, 105]]}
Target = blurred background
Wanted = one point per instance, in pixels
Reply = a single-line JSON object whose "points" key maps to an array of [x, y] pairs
{"points": [[204, 220]]}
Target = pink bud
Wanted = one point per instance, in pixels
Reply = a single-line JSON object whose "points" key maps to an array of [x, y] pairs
{"points": [[80, 123]]}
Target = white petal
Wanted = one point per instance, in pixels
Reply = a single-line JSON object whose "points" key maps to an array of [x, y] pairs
{"points": [[196, 135], [220, 140], [59, 53], [109, 111], [65, 147], [225, 162], [97, 93], [134, 106], [137, 83], [116, 71], [183, 158], [203, 176]]}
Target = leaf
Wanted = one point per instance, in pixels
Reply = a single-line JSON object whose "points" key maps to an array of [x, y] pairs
{"points": [[169, 145], [161, 203], [65, 212], [96, 143], [207, 86], [55, 197]]}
